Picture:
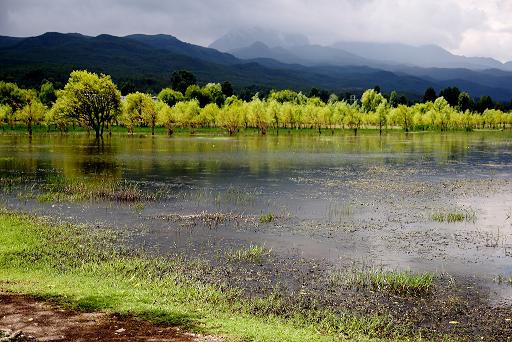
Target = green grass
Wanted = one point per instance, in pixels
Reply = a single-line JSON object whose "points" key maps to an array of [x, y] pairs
{"points": [[253, 253], [267, 218], [66, 189], [400, 283], [454, 216], [85, 268]]}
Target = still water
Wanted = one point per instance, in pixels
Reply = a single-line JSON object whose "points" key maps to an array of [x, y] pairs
{"points": [[366, 198]]}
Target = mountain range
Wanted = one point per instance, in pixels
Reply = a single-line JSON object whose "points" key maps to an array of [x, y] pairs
{"points": [[265, 61]]}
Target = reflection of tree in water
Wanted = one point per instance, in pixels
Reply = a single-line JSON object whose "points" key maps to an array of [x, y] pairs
{"points": [[182, 159], [79, 156]]}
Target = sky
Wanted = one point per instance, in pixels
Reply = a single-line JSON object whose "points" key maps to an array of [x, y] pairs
{"points": [[468, 27]]}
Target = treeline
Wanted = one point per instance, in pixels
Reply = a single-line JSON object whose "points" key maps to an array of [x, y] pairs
{"points": [[94, 102]]}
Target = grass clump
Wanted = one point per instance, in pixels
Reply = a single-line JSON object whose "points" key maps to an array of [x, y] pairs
{"points": [[63, 189], [400, 283], [267, 218], [253, 253], [454, 216]]}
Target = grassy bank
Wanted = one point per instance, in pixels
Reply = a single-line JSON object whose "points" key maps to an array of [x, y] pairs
{"points": [[86, 269]]}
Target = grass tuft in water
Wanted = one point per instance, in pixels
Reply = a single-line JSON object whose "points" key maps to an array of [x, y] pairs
{"points": [[62, 189], [267, 218], [454, 216], [253, 253], [400, 283]]}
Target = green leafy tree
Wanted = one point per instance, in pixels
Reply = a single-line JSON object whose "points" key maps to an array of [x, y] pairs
{"points": [[170, 96], [214, 93], [353, 117], [11, 95], [5, 114], [484, 103], [33, 112], [382, 115], [92, 100], [167, 116], [227, 89], [394, 99], [370, 100], [138, 109], [258, 115], [430, 95], [403, 116], [208, 115], [182, 79], [451, 94], [47, 94], [195, 92], [57, 116], [230, 118], [287, 95], [464, 102], [186, 113]]}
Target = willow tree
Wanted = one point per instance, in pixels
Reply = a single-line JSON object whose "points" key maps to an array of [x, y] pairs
{"points": [[382, 115], [139, 108], [258, 116], [230, 118], [57, 116], [32, 113], [166, 116], [5, 114], [370, 100], [92, 100]]}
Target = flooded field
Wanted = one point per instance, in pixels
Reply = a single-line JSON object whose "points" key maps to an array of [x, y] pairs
{"points": [[295, 213]]}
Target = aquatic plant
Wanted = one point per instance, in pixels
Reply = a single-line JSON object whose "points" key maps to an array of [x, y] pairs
{"points": [[454, 216], [400, 283], [253, 253], [267, 218], [64, 189]]}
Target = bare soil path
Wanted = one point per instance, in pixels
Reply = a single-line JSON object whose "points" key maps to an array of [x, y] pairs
{"points": [[25, 319]]}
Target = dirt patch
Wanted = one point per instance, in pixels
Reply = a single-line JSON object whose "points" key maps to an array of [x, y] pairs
{"points": [[39, 321]]}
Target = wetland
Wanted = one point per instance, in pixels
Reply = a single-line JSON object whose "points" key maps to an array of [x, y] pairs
{"points": [[410, 233]]}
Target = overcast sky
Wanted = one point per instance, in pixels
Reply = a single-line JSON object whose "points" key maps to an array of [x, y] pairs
{"points": [[469, 27]]}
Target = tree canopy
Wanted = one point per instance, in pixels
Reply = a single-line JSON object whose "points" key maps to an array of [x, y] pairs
{"points": [[91, 99]]}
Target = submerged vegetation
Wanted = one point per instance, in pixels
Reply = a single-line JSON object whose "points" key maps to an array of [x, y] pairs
{"points": [[93, 102]]}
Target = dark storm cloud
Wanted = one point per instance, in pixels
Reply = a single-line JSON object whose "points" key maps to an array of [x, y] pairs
{"points": [[464, 26]]}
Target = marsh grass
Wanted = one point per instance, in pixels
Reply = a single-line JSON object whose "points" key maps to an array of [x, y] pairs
{"points": [[65, 189], [400, 283], [88, 269], [502, 279], [337, 211], [454, 216], [10, 181], [267, 218], [230, 196], [253, 254]]}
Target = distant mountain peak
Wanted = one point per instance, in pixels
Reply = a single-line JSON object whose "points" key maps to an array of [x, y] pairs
{"points": [[241, 38]]}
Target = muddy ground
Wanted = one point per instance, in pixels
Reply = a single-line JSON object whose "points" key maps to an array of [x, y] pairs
{"points": [[26, 319]]}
